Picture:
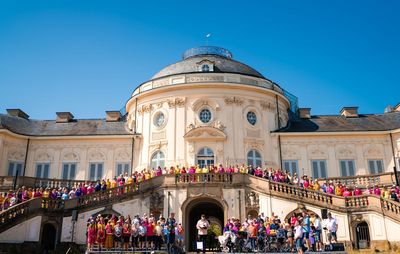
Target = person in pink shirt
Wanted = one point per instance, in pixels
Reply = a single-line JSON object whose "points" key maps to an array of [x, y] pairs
{"points": [[306, 183], [84, 189], [159, 171], [329, 189], [347, 193], [377, 191], [89, 189]]}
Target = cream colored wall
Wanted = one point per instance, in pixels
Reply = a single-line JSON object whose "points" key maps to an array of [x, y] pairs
{"points": [[28, 231], [58, 151], [333, 148], [181, 108]]}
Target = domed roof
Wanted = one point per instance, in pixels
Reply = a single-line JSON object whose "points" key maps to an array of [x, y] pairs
{"points": [[220, 60]]}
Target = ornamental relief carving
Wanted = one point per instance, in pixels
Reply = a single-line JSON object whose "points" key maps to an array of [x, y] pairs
{"points": [[317, 152], [267, 105], [145, 109], [96, 155], [203, 78], [154, 146], [42, 156], [344, 152], [254, 144], [289, 153], [122, 155], [199, 103], [177, 102], [70, 156], [15, 154], [234, 100], [373, 151]]}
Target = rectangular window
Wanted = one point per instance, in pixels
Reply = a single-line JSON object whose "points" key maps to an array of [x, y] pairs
{"points": [[375, 166], [122, 168], [95, 171], [319, 168], [42, 170], [347, 168], [14, 167], [291, 166], [68, 171]]}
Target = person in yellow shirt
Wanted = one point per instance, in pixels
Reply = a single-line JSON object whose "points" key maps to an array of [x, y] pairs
{"points": [[46, 193], [316, 185], [130, 180], [338, 191], [205, 170]]}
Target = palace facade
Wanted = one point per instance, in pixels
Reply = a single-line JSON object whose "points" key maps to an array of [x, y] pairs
{"points": [[205, 109]]}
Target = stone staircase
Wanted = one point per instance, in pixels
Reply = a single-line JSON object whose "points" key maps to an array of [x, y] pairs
{"points": [[38, 206]]}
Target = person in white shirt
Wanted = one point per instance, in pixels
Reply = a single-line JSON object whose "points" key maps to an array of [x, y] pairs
{"points": [[202, 227], [331, 225], [298, 237], [318, 229]]}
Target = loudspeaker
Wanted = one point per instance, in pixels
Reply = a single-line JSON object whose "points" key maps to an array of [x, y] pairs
{"points": [[74, 215], [324, 214], [334, 247]]}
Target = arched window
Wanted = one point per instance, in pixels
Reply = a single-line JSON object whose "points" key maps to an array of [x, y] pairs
{"points": [[205, 157], [254, 158], [158, 159]]}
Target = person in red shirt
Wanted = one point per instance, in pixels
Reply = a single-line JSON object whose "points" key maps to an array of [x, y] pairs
{"points": [[357, 191]]}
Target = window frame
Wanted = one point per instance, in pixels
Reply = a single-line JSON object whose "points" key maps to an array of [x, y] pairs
{"points": [[122, 163], [14, 170], [255, 115], [162, 165], [211, 115], [347, 168], [319, 169], [96, 175], [42, 166], [254, 158], [375, 162], [290, 169], [69, 164]]}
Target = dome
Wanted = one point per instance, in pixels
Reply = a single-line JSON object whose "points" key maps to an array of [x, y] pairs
{"points": [[217, 60]]}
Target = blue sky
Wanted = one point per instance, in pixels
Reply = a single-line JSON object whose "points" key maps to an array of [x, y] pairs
{"points": [[87, 57]]}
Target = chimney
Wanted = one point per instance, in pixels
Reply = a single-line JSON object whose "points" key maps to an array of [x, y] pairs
{"points": [[349, 111], [18, 113], [64, 117], [305, 113], [113, 116]]}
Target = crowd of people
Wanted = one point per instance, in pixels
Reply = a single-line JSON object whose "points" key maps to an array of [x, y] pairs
{"points": [[22, 194], [301, 232], [145, 233]]}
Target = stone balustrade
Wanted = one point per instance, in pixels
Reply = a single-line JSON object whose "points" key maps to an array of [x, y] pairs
{"points": [[281, 190], [204, 178], [383, 179], [7, 182]]}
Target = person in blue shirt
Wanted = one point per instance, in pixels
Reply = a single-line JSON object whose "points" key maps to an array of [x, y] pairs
{"points": [[306, 229]]}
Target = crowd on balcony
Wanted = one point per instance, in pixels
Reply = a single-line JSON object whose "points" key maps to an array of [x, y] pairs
{"points": [[23, 194], [143, 233]]}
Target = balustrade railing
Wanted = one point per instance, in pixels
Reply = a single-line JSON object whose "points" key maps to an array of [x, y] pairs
{"points": [[204, 178], [363, 181], [268, 187]]}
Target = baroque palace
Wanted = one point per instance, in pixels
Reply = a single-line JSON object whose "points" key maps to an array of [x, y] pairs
{"points": [[205, 109]]}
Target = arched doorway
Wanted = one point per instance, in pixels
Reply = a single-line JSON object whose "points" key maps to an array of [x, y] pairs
{"points": [[362, 235], [215, 215], [49, 233]]}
